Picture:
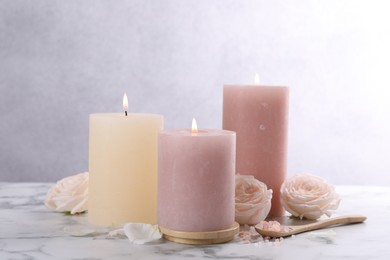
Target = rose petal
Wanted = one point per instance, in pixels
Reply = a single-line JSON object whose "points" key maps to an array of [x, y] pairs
{"points": [[69, 194], [140, 233], [80, 207]]}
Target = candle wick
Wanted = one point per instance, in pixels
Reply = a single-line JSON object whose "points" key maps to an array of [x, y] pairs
{"points": [[125, 113]]}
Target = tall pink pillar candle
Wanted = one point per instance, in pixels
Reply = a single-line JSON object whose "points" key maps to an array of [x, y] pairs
{"points": [[259, 115], [196, 180]]}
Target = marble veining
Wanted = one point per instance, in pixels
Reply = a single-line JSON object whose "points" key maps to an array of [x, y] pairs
{"points": [[28, 230]]}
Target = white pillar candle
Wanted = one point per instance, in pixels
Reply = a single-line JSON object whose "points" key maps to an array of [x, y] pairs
{"points": [[123, 168]]}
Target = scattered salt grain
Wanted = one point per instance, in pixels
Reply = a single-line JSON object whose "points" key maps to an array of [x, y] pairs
{"points": [[249, 235]]}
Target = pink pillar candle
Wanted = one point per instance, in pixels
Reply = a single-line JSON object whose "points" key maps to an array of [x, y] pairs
{"points": [[196, 182], [259, 115]]}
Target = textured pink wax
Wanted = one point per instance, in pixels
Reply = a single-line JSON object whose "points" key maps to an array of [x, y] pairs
{"points": [[196, 179], [259, 115]]}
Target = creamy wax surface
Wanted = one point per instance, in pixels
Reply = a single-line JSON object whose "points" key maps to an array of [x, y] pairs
{"points": [[196, 179], [123, 168]]}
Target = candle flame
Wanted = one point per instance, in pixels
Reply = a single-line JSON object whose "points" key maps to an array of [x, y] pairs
{"points": [[194, 127], [125, 102], [257, 79]]}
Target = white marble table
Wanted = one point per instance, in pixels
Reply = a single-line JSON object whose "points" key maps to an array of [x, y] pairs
{"points": [[30, 231]]}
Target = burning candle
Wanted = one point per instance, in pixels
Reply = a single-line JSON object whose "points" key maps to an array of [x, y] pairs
{"points": [[123, 167], [259, 115], [196, 182]]}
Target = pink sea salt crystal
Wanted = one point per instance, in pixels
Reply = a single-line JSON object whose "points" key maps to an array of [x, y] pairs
{"points": [[275, 226], [270, 225], [249, 235], [264, 225]]}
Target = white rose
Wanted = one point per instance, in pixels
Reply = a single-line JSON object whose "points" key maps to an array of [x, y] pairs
{"points": [[308, 196], [253, 200], [69, 194]]}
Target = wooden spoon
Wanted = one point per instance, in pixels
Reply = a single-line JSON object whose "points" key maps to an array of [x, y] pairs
{"points": [[291, 230]]}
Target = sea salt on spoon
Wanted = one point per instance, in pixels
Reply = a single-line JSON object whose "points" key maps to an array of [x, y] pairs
{"points": [[284, 231]]}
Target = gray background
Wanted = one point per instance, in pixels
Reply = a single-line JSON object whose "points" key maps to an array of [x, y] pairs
{"points": [[62, 60]]}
